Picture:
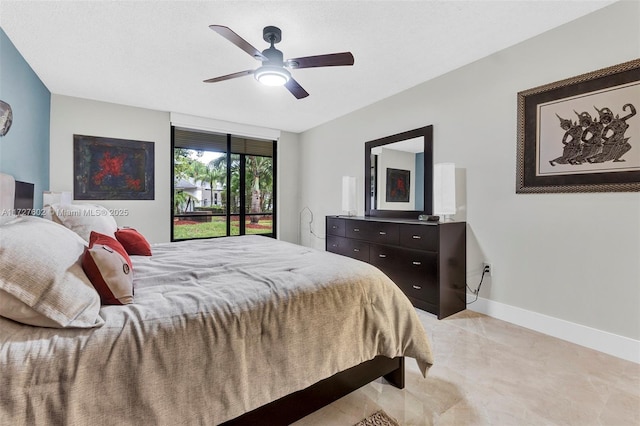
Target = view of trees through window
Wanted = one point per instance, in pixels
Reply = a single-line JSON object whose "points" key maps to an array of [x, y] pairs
{"points": [[216, 196]]}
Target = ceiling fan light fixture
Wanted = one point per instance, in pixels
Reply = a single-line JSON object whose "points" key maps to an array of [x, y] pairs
{"points": [[270, 75]]}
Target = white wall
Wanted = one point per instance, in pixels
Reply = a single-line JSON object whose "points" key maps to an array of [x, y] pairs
{"points": [[288, 187], [71, 116], [568, 256]]}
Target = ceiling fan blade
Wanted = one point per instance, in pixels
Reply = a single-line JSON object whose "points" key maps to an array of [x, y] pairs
{"points": [[230, 76], [295, 89], [330, 60], [234, 38]]}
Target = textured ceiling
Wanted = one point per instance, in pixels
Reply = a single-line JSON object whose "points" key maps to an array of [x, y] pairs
{"points": [[155, 54]]}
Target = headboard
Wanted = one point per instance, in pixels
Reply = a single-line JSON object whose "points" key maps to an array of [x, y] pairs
{"points": [[16, 195], [23, 199]]}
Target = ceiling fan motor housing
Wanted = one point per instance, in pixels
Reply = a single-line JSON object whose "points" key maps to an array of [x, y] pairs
{"points": [[272, 34], [274, 56]]}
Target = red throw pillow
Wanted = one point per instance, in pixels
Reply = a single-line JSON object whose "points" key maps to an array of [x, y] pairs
{"points": [[109, 269], [133, 242]]}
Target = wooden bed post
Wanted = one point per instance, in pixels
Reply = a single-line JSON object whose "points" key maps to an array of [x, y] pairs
{"points": [[396, 377]]}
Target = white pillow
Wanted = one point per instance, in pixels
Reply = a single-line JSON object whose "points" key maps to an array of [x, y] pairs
{"points": [[41, 278], [6, 217], [84, 218]]}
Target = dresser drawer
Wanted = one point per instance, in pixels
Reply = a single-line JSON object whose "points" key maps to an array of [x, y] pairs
{"points": [[414, 271], [336, 244], [427, 292], [423, 237], [390, 256], [415, 285], [347, 247], [335, 226], [403, 259], [375, 232]]}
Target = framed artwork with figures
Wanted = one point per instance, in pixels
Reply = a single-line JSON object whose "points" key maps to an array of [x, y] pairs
{"points": [[581, 134]]}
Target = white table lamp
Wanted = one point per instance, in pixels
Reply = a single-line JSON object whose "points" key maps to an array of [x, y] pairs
{"points": [[444, 190], [349, 195]]}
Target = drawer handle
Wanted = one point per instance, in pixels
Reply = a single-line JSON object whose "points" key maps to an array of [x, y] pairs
{"points": [[416, 237], [334, 245], [417, 287], [356, 250], [382, 255], [382, 233], [356, 230], [417, 263], [334, 227]]}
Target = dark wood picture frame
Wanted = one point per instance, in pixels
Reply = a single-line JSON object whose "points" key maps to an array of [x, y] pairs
{"points": [[572, 135], [112, 169]]}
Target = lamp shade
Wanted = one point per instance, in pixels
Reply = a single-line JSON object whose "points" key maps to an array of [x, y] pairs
{"points": [[51, 197], [444, 189], [349, 194]]}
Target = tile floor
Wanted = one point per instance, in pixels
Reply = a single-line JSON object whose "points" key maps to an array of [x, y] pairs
{"points": [[490, 372]]}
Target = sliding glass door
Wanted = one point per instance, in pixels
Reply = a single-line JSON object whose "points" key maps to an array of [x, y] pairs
{"points": [[223, 185], [258, 194]]}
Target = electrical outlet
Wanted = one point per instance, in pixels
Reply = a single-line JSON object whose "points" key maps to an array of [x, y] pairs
{"points": [[486, 266]]}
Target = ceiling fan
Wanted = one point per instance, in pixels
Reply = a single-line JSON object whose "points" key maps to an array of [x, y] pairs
{"points": [[273, 71]]}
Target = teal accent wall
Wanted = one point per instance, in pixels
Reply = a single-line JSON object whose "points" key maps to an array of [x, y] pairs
{"points": [[24, 151]]}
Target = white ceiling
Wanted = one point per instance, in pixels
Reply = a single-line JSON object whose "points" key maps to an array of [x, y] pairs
{"points": [[155, 54]]}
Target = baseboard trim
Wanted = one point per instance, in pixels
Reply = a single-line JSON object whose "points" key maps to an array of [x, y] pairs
{"points": [[609, 343]]}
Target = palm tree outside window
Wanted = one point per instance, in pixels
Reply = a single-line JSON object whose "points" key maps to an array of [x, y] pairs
{"points": [[222, 185]]}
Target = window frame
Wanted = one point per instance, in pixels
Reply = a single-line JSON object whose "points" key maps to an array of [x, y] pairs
{"points": [[243, 215]]}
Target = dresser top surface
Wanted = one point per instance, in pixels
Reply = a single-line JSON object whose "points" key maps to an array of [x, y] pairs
{"points": [[392, 220]]}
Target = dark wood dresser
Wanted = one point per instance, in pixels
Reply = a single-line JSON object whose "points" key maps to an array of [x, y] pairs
{"points": [[427, 260]]}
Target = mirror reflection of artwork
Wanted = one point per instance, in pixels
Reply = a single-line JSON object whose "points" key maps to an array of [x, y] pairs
{"points": [[398, 185], [410, 151], [405, 155]]}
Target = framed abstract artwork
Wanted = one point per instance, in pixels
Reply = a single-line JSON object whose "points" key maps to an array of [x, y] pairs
{"points": [[581, 134], [398, 185], [112, 169]]}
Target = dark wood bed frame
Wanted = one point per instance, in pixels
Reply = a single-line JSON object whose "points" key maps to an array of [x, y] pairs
{"points": [[297, 405]]}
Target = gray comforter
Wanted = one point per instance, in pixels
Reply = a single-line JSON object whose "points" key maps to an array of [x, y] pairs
{"points": [[218, 327]]}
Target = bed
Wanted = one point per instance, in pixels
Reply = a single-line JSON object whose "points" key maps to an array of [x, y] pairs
{"points": [[233, 330]]}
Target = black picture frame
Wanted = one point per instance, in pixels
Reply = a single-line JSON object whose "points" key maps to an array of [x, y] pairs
{"points": [[112, 169], [572, 135]]}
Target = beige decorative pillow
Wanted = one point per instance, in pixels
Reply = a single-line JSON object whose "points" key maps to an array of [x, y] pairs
{"points": [[41, 278], [84, 218], [109, 268]]}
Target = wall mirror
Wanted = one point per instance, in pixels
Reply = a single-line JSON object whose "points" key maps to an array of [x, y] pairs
{"points": [[398, 174]]}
